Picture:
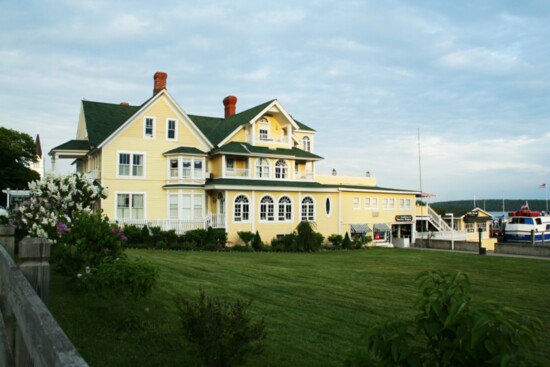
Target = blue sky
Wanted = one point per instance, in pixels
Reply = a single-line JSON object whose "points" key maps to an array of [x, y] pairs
{"points": [[472, 76]]}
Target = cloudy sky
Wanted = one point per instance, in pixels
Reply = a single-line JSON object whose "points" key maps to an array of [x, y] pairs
{"points": [[471, 78]]}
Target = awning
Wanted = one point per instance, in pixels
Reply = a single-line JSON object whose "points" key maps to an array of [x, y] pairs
{"points": [[381, 227], [360, 228]]}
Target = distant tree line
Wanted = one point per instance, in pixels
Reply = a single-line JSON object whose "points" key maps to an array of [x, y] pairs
{"points": [[490, 205]]}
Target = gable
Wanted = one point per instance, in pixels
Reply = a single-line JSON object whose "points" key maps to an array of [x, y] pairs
{"points": [[161, 108]]}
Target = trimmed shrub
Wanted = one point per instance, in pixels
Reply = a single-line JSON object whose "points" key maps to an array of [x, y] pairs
{"points": [[246, 237], [346, 243], [335, 240], [221, 332], [257, 243], [306, 239]]}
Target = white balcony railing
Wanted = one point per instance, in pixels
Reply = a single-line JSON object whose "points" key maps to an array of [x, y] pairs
{"points": [[237, 172], [94, 174], [180, 226], [303, 175], [279, 139]]}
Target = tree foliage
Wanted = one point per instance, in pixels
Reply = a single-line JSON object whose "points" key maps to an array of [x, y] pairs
{"points": [[450, 330], [17, 151]]}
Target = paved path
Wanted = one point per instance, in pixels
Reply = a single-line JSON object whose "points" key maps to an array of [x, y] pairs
{"points": [[489, 253]]}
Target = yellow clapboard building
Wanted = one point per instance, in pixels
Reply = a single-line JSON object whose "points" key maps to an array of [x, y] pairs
{"points": [[248, 171]]}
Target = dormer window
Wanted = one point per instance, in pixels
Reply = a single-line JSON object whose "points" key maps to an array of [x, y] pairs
{"points": [[306, 144], [149, 128], [263, 129]]}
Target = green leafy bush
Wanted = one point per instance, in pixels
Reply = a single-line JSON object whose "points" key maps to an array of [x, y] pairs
{"points": [[123, 277], [450, 330], [242, 248], [335, 239], [246, 237], [257, 243], [222, 332], [84, 245], [306, 239]]}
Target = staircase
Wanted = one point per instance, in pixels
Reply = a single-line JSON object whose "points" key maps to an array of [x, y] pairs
{"points": [[435, 219]]}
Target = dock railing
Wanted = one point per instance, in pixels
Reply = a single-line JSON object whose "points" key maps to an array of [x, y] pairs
{"points": [[29, 334]]}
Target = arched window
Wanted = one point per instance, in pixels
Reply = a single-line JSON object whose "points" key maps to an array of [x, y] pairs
{"points": [[267, 209], [262, 168], [221, 203], [285, 209], [281, 169], [241, 209], [306, 144], [308, 209]]}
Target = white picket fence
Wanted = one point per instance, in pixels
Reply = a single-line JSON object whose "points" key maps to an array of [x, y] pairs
{"points": [[179, 226]]}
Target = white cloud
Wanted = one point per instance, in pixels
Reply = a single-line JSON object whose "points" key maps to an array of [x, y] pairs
{"points": [[479, 59]]}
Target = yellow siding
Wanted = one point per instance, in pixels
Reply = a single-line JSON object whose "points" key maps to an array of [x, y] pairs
{"points": [[216, 166], [155, 164]]}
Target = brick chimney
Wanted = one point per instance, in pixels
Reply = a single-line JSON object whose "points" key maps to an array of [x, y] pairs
{"points": [[230, 103], [160, 81]]}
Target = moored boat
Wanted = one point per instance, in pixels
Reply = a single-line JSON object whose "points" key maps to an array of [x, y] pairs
{"points": [[524, 223]]}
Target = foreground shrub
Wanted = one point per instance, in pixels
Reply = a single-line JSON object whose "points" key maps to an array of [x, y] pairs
{"points": [[88, 242], [306, 239], [450, 330], [346, 243], [246, 237], [221, 332], [123, 278], [335, 239]]}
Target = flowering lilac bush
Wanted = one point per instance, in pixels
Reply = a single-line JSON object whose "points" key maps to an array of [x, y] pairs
{"points": [[55, 199]]}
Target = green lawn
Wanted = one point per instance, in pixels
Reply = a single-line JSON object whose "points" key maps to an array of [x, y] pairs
{"points": [[315, 305]]}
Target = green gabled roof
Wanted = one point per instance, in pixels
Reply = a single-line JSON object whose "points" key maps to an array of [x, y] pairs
{"points": [[217, 129], [303, 126], [74, 145], [102, 119], [247, 149], [185, 150], [266, 183]]}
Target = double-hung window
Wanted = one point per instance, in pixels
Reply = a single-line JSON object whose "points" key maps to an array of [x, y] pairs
{"points": [[356, 202], [130, 206], [367, 203], [281, 169], [267, 209], [171, 129], [262, 168], [131, 164], [149, 128], [285, 209], [241, 209], [308, 209]]}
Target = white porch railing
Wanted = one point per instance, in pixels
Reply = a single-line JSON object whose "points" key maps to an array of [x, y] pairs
{"points": [[179, 226], [94, 174], [280, 139], [437, 221], [444, 235], [236, 172]]}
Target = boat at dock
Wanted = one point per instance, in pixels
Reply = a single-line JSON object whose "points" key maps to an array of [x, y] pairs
{"points": [[525, 223]]}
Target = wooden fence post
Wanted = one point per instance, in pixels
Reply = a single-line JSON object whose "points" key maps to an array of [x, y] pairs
{"points": [[34, 254], [7, 239]]}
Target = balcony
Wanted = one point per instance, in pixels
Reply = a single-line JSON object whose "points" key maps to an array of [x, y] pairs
{"points": [[236, 172], [94, 174], [278, 139], [303, 175]]}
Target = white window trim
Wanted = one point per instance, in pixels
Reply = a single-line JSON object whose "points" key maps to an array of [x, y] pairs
{"points": [[356, 203], [275, 209], [314, 208], [264, 122], [250, 213], [131, 193], [284, 168], [175, 129], [180, 177], [145, 136], [365, 206], [194, 196], [271, 169], [308, 140], [291, 210], [372, 201], [130, 176]]}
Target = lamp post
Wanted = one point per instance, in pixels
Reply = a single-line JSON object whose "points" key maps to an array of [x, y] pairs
{"points": [[452, 229]]}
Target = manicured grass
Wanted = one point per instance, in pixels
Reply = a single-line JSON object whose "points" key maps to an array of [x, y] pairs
{"points": [[315, 305]]}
